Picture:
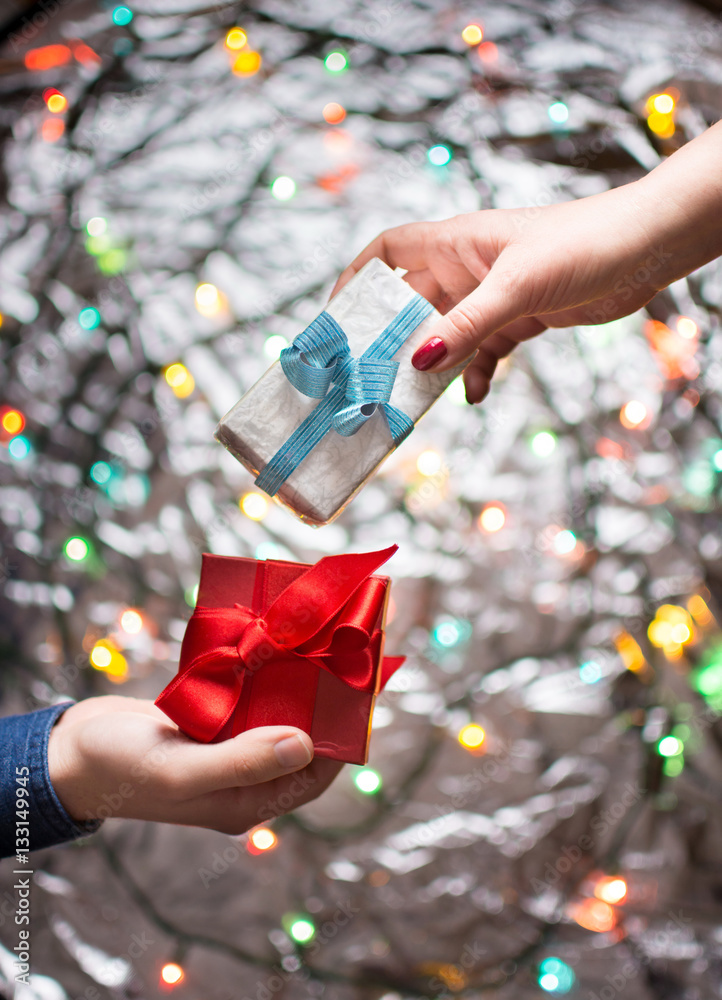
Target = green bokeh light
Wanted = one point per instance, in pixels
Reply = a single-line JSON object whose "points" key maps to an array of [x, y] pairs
{"points": [[367, 781], [89, 318], [122, 15]]}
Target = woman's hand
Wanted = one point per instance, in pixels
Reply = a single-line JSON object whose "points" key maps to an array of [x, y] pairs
{"points": [[117, 756], [503, 276]]}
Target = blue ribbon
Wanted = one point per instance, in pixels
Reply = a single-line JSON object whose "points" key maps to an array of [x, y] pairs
{"points": [[319, 364]]}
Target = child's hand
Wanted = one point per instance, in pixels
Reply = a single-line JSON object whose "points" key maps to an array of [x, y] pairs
{"points": [[117, 756]]}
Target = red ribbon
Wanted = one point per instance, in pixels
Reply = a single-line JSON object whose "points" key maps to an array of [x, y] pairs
{"points": [[327, 615]]}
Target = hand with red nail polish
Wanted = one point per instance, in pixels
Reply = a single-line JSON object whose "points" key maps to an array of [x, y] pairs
{"points": [[500, 277]]}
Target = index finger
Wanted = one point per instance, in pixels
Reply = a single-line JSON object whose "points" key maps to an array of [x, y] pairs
{"points": [[404, 246]]}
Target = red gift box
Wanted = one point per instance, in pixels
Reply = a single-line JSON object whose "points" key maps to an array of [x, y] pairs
{"points": [[280, 643]]}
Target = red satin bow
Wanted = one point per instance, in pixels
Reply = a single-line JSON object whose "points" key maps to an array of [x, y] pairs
{"points": [[327, 615]]}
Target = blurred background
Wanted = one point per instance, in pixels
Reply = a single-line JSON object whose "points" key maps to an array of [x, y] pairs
{"points": [[181, 184]]}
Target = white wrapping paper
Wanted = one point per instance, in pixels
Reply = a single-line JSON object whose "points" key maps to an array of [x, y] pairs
{"points": [[337, 468]]}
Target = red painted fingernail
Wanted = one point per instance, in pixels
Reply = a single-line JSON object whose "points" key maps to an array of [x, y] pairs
{"points": [[429, 355]]}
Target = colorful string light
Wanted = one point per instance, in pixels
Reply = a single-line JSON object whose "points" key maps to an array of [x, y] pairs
{"points": [[89, 318], [634, 415], [334, 113], [558, 112], [172, 974], [254, 506], [611, 890], [122, 15], [472, 736], [429, 462], [336, 62], [247, 63], [77, 549], [299, 927], [492, 518], [472, 34], [261, 839], [12, 422], [543, 443], [555, 976], [283, 188], [367, 780], [236, 39], [439, 155], [209, 300], [179, 379]]}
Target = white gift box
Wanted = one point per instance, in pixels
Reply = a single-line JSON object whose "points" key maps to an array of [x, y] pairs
{"points": [[336, 468]]}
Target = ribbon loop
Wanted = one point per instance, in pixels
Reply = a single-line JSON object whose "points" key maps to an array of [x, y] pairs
{"points": [[315, 358], [319, 364]]}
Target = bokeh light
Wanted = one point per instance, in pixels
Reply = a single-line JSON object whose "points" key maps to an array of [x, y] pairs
{"points": [[633, 414], [472, 34], [179, 379], [558, 112], [273, 346], [367, 780], [56, 102], [52, 129], [334, 113], [209, 300], [594, 915], [555, 976], [131, 621], [302, 930], [670, 746], [662, 103], [122, 15], [611, 890], [247, 63], [283, 188], [472, 736], [429, 462], [630, 652], [564, 543], [19, 448], [262, 839], [543, 443], [12, 422], [100, 473], [687, 328], [47, 57], [671, 629], [492, 518], [336, 62], [236, 39], [96, 226], [439, 155], [590, 672], [89, 318], [77, 549], [172, 974], [254, 505]]}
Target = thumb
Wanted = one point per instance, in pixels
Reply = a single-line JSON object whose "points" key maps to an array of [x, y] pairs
{"points": [[491, 306], [250, 758]]}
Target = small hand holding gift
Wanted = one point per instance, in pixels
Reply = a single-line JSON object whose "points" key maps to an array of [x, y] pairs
{"points": [[343, 395], [278, 643]]}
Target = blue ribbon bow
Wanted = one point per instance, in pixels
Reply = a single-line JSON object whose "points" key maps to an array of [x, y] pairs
{"points": [[319, 364]]}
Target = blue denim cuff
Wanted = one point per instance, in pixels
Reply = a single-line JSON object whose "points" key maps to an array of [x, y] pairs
{"points": [[24, 743]]}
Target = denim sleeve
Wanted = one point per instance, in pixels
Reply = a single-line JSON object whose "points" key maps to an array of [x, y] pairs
{"points": [[24, 744]]}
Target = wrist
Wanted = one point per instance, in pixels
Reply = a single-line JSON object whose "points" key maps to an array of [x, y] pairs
{"points": [[64, 769]]}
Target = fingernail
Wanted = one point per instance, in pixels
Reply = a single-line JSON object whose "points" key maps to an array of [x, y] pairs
{"points": [[429, 355], [292, 752]]}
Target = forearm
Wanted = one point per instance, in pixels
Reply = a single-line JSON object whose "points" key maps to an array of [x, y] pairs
{"points": [[682, 199]]}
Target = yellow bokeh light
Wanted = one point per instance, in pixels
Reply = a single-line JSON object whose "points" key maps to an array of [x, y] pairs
{"points": [[209, 301], [247, 63], [661, 125], [57, 103], [663, 103], [472, 34], [100, 657], [472, 736], [236, 39], [687, 328], [254, 505], [172, 973], [611, 890], [180, 380], [263, 839], [633, 414], [697, 607], [630, 652], [429, 463], [492, 518], [13, 421], [671, 630], [131, 621]]}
